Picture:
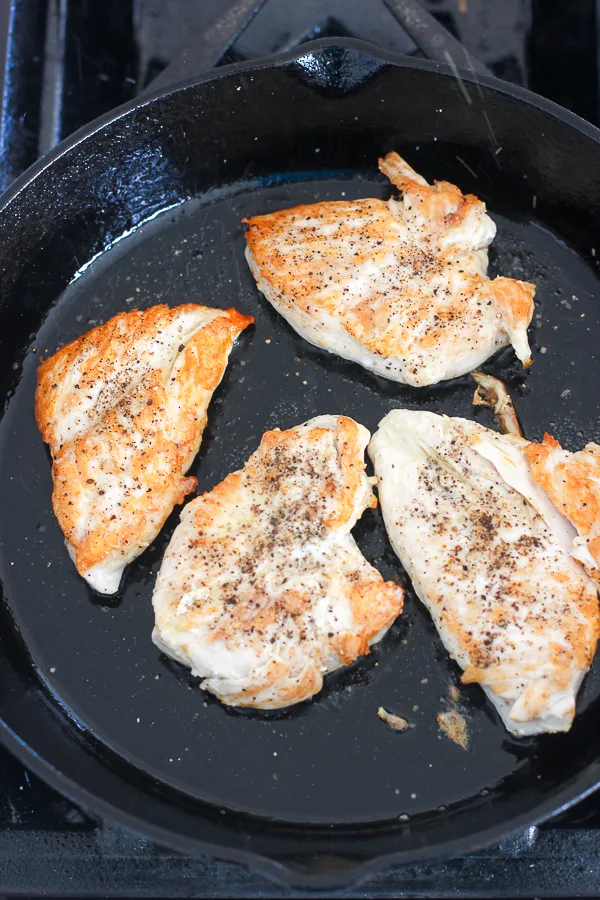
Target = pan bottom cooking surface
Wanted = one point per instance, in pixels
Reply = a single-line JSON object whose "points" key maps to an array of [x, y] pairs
{"points": [[330, 759]]}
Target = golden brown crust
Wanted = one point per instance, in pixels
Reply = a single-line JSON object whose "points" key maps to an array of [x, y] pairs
{"points": [[263, 566], [492, 562], [266, 237], [404, 281], [572, 481], [116, 481], [93, 354], [514, 299], [442, 204], [161, 484]]}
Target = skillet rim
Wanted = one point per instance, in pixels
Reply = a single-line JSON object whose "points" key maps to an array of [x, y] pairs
{"points": [[286, 873], [278, 59]]}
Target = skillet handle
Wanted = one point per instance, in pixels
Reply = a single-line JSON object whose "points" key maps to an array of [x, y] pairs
{"points": [[432, 38]]}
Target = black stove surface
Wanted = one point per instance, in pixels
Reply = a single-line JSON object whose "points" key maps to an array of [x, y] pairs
{"points": [[68, 61]]}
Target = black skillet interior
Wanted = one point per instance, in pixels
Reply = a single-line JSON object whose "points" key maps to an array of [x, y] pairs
{"points": [[91, 704]]}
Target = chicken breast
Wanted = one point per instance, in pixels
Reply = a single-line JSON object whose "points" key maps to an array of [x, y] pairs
{"points": [[492, 559], [123, 409], [263, 590], [400, 287]]}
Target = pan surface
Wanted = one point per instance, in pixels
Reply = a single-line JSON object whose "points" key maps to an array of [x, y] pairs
{"points": [[142, 719]]}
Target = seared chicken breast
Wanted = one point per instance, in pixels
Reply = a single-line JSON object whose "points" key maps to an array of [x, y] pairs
{"points": [[123, 409], [400, 287], [492, 558], [262, 590]]}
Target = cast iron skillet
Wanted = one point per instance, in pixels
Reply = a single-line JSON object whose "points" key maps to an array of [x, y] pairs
{"points": [[145, 206]]}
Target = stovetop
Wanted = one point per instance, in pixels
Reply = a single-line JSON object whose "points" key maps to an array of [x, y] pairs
{"points": [[68, 61]]}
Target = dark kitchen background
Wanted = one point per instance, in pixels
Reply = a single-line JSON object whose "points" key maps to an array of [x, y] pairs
{"points": [[63, 63]]}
